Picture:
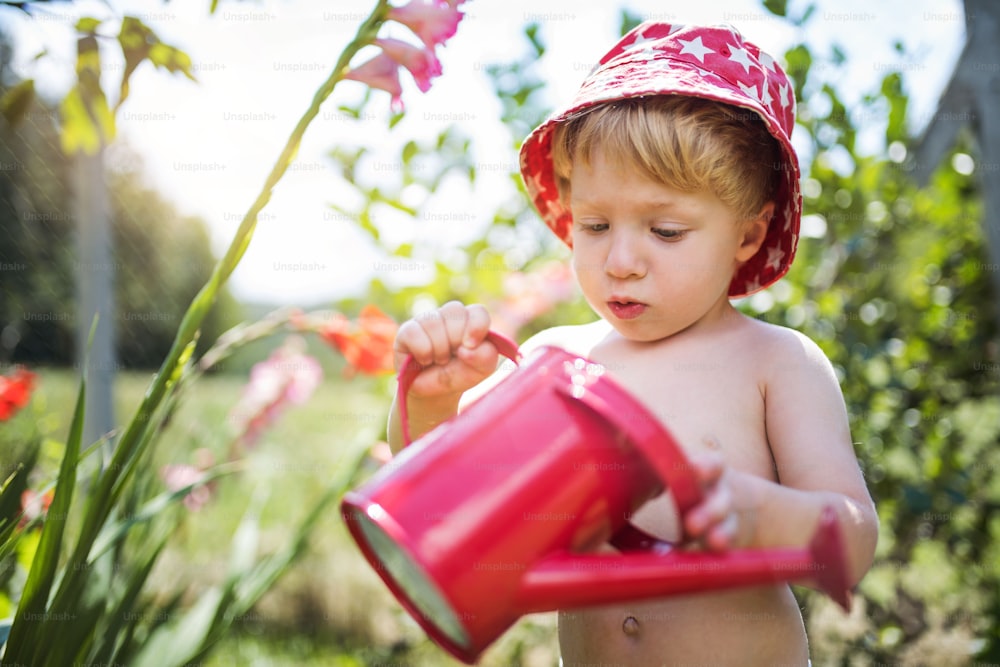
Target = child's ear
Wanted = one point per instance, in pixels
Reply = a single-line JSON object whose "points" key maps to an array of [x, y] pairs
{"points": [[754, 232]]}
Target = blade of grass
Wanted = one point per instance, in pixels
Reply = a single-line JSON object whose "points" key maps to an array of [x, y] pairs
{"points": [[27, 641], [120, 621]]}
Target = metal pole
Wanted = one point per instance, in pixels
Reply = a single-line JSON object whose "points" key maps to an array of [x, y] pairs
{"points": [[95, 274]]}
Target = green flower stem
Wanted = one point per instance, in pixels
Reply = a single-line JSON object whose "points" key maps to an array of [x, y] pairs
{"points": [[132, 443]]}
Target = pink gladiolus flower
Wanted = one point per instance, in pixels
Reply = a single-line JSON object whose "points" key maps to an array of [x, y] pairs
{"points": [[381, 72], [433, 21], [176, 476], [422, 63], [287, 377]]}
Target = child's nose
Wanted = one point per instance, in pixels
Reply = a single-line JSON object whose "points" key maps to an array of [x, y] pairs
{"points": [[624, 259]]}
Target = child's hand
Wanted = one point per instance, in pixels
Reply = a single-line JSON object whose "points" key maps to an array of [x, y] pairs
{"points": [[450, 343], [714, 523]]}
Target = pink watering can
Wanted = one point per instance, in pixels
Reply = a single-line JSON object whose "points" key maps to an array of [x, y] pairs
{"points": [[498, 512]]}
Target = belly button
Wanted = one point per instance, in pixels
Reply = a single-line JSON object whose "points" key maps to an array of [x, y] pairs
{"points": [[630, 626]]}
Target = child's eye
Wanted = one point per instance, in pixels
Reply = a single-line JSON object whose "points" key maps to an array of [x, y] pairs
{"points": [[594, 227], [669, 234]]}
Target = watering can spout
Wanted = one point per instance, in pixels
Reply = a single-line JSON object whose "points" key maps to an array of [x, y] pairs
{"points": [[565, 580]]}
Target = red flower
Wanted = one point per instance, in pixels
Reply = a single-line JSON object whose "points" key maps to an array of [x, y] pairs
{"points": [[15, 392], [422, 63], [365, 344], [433, 21], [381, 72]]}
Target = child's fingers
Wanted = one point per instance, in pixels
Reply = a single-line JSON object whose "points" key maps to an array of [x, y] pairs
{"points": [[708, 467], [454, 316], [434, 326], [450, 344], [722, 536], [412, 340], [476, 327], [482, 359], [467, 369], [714, 509]]}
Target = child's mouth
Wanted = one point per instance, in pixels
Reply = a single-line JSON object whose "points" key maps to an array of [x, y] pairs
{"points": [[626, 310]]}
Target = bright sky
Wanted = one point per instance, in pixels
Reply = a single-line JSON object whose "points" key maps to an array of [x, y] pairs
{"points": [[209, 146]]}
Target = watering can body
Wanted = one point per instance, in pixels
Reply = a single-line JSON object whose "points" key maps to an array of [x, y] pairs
{"points": [[499, 511]]}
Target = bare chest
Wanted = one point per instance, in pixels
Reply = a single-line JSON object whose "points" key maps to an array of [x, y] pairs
{"points": [[706, 400]]}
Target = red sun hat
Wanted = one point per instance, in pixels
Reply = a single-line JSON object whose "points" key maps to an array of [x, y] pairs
{"points": [[714, 63]]}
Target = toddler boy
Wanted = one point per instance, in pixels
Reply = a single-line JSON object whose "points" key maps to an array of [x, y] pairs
{"points": [[672, 177]]}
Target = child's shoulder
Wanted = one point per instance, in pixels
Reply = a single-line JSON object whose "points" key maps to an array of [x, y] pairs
{"points": [[781, 349]]}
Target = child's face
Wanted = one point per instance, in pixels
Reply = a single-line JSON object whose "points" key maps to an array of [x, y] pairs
{"points": [[652, 260]]}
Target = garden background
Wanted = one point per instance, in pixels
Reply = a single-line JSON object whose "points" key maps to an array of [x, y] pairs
{"points": [[407, 208]]}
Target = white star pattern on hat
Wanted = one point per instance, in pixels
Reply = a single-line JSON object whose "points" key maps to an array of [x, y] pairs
{"points": [[643, 46], [783, 95], [774, 257], [741, 57], [765, 97], [749, 90], [695, 48], [752, 286], [767, 61]]}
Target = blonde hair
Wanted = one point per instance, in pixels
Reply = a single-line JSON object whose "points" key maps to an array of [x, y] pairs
{"points": [[688, 143]]}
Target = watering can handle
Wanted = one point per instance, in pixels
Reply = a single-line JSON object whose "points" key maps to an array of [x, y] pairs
{"points": [[410, 369], [656, 444]]}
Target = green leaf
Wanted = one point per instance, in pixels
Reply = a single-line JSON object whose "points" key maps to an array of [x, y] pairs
{"points": [[121, 621], [409, 150], [349, 111], [839, 57], [88, 25], [135, 40], [777, 7], [531, 32], [79, 135], [114, 533], [806, 15], [892, 89], [17, 100], [366, 223], [245, 541], [27, 548], [798, 61], [27, 642], [172, 59], [13, 487], [178, 642], [628, 21]]}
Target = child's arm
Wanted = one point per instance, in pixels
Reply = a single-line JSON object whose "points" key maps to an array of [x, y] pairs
{"points": [[808, 431], [450, 343]]}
